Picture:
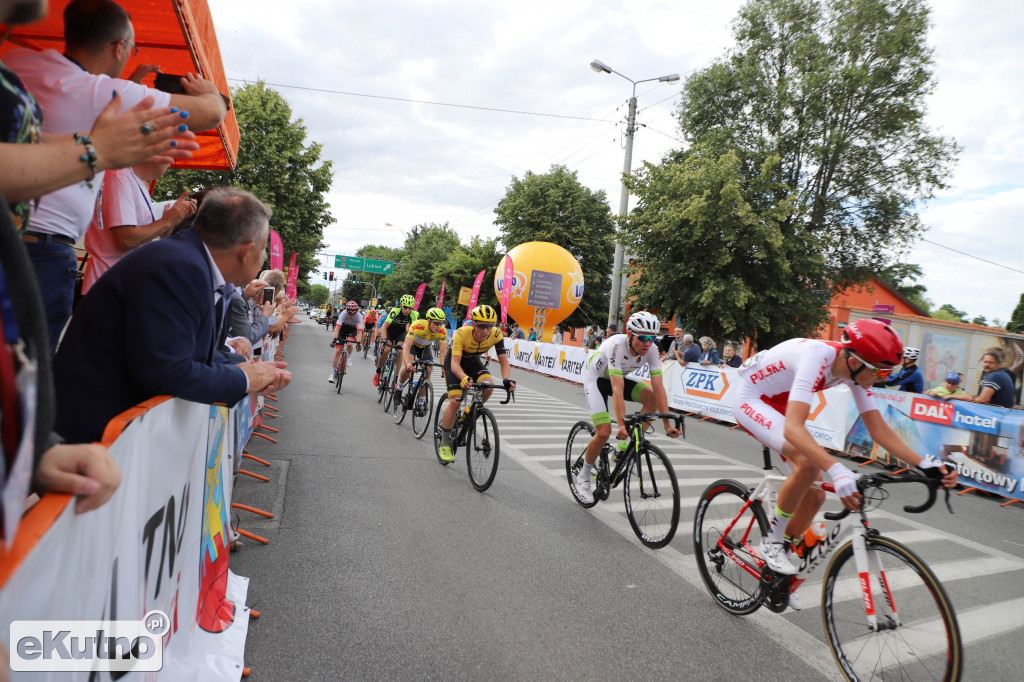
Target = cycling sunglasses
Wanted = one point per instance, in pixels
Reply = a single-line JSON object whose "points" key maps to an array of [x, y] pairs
{"points": [[880, 372], [483, 325], [647, 338]]}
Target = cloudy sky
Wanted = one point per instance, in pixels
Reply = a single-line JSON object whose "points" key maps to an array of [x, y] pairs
{"points": [[363, 77]]}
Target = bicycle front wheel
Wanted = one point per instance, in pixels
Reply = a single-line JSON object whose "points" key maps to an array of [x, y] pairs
{"points": [[339, 374], [382, 386], [441, 405], [399, 405], [366, 348], [580, 435], [725, 541], [422, 405], [389, 382], [915, 635], [482, 449], [652, 497]]}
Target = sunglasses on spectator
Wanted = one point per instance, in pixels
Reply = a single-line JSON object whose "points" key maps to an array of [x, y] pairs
{"points": [[881, 372], [647, 338], [483, 325]]}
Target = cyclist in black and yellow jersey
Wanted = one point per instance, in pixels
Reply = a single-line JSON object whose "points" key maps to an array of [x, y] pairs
{"points": [[465, 365], [396, 324], [418, 342]]}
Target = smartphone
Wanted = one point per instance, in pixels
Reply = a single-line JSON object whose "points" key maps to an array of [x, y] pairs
{"points": [[268, 294], [169, 82]]}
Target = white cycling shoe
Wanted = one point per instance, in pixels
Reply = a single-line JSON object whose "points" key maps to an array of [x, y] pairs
{"points": [[583, 490], [795, 602], [774, 554]]}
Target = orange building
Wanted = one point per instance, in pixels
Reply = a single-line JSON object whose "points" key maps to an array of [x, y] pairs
{"points": [[876, 296]]}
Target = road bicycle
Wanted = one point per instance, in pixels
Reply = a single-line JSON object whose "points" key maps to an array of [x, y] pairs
{"points": [[477, 430], [886, 615], [651, 491], [367, 336], [387, 377], [339, 371], [417, 397]]}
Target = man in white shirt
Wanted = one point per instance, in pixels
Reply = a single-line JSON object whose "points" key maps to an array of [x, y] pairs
{"points": [[127, 217], [73, 88]]}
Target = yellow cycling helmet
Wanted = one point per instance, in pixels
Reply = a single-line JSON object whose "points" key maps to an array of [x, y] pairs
{"points": [[436, 314], [484, 313]]}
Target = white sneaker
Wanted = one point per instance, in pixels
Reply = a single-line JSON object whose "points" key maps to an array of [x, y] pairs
{"points": [[330, 379], [583, 490], [774, 554], [795, 602]]}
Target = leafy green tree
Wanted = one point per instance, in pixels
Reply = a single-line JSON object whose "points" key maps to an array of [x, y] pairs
{"points": [[1016, 323], [819, 110], [554, 207], [980, 319], [903, 277], [947, 312], [318, 294], [276, 165], [710, 249], [461, 268], [425, 246]]}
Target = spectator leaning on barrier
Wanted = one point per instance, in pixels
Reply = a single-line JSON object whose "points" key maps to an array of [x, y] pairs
{"points": [[533, 335], [951, 386], [155, 323], [248, 316], [127, 217], [996, 384], [73, 89], [729, 357], [909, 378], [708, 353], [556, 334]]}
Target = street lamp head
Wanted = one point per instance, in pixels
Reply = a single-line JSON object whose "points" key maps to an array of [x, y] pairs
{"points": [[600, 67], [671, 78]]}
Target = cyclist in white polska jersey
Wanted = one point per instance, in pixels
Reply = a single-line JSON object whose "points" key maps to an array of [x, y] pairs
{"points": [[773, 402], [603, 376]]}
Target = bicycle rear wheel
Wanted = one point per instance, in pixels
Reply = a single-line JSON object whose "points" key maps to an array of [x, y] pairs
{"points": [[651, 494], [441, 405], [580, 435], [382, 385], [482, 449], [728, 561], [422, 405], [917, 635]]}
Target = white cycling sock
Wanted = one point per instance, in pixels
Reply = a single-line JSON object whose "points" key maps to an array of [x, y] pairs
{"points": [[585, 472]]}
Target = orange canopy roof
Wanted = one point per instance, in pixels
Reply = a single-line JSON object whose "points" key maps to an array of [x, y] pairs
{"points": [[176, 34]]}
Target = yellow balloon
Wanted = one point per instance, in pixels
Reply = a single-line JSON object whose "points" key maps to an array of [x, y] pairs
{"points": [[546, 288]]}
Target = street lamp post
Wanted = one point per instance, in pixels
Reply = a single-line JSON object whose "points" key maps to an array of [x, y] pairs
{"points": [[615, 302]]}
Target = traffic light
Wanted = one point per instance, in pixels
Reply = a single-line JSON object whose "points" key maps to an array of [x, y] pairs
{"points": [[330, 277], [325, 275]]}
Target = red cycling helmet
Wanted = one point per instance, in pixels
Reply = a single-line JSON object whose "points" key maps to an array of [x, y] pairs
{"points": [[353, 307], [874, 342]]}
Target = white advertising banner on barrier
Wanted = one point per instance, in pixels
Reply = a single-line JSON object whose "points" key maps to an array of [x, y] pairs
{"points": [[159, 544]]}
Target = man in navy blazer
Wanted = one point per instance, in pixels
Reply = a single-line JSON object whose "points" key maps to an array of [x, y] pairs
{"points": [[150, 325]]}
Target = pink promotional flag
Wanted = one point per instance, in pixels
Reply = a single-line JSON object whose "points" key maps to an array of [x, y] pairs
{"points": [[507, 280], [476, 292], [440, 296], [276, 251], [419, 294], [292, 289]]}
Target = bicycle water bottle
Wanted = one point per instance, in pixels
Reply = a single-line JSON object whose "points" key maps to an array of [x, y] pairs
{"points": [[812, 536], [616, 452]]}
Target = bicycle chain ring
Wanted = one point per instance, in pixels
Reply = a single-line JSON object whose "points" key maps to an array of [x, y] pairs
{"points": [[776, 593]]}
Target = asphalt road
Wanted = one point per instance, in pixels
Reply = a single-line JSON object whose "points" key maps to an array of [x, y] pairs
{"points": [[384, 565]]}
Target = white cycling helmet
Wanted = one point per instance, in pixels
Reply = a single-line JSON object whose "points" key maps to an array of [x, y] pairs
{"points": [[643, 322], [911, 353]]}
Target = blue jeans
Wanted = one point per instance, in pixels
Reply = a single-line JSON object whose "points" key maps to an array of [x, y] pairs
{"points": [[55, 266]]}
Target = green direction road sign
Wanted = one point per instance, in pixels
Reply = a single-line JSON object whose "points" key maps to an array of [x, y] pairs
{"points": [[349, 262], [385, 267], [359, 263]]}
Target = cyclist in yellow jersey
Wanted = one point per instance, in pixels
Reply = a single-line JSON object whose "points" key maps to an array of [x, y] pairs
{"points": [[465, 365], [418, 342]]}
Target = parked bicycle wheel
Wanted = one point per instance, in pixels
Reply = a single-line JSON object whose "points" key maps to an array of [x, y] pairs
{"points": [[917, 638], [730, 570], [441, 405], [422, 406], [482, 449], [651, 492], [575, 448]]}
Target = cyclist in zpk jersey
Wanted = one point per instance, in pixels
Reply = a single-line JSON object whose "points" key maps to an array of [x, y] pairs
{"points": [[773, 402], [603, 376], [419, 342], [396, 324], [464, 365], [349, 323]]}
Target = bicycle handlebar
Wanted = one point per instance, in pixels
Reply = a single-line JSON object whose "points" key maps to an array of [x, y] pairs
{"points": [[510, 395], [632, 420], [931, 481]]}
